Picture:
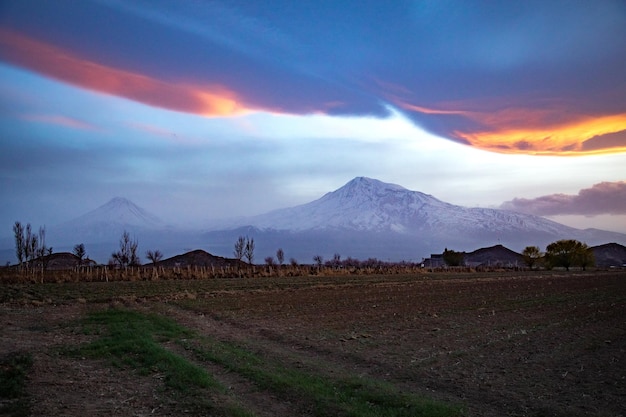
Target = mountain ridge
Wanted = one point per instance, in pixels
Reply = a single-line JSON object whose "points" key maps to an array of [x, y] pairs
{"points": [[369, 218], [369, 204]]}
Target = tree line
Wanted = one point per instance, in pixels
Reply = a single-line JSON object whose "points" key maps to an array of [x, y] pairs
{"points": [[30, 245], [565, 253]]}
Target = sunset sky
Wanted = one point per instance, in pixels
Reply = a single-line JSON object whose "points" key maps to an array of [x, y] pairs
{"points": [[199, 110]]}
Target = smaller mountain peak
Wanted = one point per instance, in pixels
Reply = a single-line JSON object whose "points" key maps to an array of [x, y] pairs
{"points": [[121, 210], [120, 200]]}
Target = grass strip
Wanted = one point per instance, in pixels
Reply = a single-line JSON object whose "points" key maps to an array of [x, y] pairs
{"points": [[133, 339], [14, 400], [344, 396]]}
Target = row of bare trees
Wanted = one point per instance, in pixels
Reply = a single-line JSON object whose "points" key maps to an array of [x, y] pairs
{"points": [[126, 255], [30, 245], [244, 248]]}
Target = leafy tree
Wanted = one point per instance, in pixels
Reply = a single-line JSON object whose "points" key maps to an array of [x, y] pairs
{"points": [[586, 257], [531, 255], [80, 253], [453, 258], [240, 246], [154, 256], [567, 253], [127, 255], [249, 250], [280, 256]]}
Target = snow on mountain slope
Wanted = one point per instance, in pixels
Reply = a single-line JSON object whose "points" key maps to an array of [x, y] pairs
{"points": [[119, 211], [100, 230], [366, 204], [106, 223], [369, 218]]}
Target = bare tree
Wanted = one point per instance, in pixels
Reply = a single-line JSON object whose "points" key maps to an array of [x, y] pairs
{"points": [[280, 256], [269, 261], [249, 250], [46, 258], [80, 253], [154, 256], [127, 255], [240, 246], [43, 252], [18, 231], [336, 262], [293, 262], [42, 249], [30, 244], [318, 259]]}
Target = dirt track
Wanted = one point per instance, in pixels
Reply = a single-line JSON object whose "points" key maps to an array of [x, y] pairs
{"points": [[499, 345]]}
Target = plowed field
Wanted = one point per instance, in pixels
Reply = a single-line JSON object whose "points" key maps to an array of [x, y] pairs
{"points": [[499, 344]]}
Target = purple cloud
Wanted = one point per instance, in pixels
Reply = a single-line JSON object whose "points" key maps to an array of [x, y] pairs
{"points": [[602, 198]]}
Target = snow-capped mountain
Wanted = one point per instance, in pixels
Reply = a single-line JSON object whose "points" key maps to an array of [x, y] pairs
{"points": [[100, 230], [364, 218], [108, 221], [119, 211], [366, 204], [370, 218]]}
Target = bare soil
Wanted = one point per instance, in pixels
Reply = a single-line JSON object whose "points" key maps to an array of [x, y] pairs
{"points": [[500, 344]]}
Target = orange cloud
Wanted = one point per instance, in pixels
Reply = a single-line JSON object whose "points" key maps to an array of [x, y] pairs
{"points": [[566, 138], [68, 67], [553, 131]]}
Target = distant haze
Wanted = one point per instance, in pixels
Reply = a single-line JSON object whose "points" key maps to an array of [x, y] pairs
{"points": [[365, 218]]}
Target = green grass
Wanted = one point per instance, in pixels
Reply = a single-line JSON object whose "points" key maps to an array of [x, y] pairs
{"points": [[132, 339], [129, 339], [321, 394], [13, 397]]}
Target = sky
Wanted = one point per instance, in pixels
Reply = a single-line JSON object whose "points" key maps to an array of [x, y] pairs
{"points": [[202, 110]]}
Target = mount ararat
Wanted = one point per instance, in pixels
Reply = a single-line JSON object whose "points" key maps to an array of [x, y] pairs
{"points": [[365, 218], [369, 218]]}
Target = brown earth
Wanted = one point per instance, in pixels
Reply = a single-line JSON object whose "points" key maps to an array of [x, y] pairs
{"points": [[505, 344]]}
